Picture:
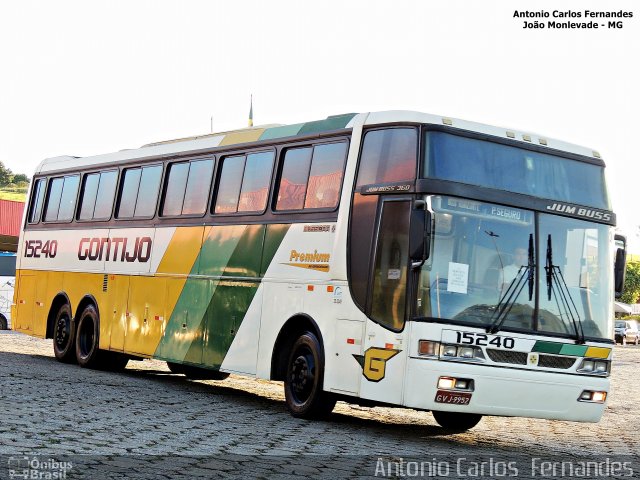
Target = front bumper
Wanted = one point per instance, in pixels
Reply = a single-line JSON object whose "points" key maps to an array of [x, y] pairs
{"points": [[506, 391]]}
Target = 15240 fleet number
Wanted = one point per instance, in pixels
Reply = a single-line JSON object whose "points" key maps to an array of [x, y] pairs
{"points": [[483, 340]]}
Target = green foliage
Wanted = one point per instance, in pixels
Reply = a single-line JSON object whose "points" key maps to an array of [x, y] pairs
{"points": [[19, 178], [11, 183], [5, 175], [631, 284]]}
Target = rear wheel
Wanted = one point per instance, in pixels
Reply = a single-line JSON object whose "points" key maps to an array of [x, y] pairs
{"points": [[456, 421], [3, 322], [87, 338], [304, 380], [64, 331]]}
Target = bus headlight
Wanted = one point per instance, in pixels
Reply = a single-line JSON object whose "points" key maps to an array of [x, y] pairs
{"points": [[449, 351], [461, 352], [597, 367]]}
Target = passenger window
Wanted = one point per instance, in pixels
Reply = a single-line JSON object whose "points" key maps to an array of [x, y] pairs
{"points": [[97, 195], [61, 200], [388, 156], [244, 183], [139, 195], [36, 201], [229, 185], [198, 186], [312, 177], [325, 178], [255, 182], [176, 185], [106, 194], [89, 194], [293, 182]]}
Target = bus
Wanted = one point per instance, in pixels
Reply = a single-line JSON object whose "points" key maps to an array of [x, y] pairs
{"points": [[384, 258], [7, 279]]}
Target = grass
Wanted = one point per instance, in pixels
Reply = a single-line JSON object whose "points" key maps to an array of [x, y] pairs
{"points": [[18, 194]]}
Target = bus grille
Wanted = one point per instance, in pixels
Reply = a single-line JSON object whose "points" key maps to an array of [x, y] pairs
{"points": [[554, 361], [105, 283], [503, 356]]}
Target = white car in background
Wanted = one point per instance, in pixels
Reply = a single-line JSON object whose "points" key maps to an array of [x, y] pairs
{"points": [[7, 281]]}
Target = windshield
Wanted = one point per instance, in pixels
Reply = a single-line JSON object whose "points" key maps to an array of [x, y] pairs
{"points": [[505, 167], [483, 261], [620, 325]]}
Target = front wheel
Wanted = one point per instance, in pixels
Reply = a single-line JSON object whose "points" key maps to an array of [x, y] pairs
{"points": [[64, 335], [304, 380], [3, 322], [456, 421]]}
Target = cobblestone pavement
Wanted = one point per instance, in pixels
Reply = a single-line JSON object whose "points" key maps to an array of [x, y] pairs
{"points": [[146, 423]]}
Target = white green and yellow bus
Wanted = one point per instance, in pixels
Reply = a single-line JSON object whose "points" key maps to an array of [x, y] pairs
{"points": [[389, 258]]}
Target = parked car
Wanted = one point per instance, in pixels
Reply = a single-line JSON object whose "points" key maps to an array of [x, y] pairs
{"points": [[626, 331], [7, 281]]}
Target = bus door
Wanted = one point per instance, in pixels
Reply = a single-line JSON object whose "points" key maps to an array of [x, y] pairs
{"points": [[385, 343]]}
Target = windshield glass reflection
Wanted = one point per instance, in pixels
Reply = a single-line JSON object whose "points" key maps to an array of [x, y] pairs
{"points": [[482, 270]]}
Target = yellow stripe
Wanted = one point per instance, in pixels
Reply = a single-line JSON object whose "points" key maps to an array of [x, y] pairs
{"points": [[183, 250], [242, 137], [597, 352]]}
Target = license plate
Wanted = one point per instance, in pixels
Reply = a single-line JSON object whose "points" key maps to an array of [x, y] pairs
{"points": [[457, 398]]}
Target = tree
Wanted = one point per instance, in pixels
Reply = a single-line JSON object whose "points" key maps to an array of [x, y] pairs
{"points": [[631, 284], [20, 177], [5, 175]]}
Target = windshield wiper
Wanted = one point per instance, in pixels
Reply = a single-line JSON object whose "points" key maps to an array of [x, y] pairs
{"points": [[563, 299], [526, 274]]}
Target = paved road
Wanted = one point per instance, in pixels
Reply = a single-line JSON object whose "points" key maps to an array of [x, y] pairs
{"points": [[146, 423]]}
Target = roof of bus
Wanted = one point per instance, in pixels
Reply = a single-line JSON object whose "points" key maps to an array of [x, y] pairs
{"points": [[202, 143]]}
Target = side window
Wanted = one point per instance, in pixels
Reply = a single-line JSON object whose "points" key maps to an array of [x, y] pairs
{"points": [[198, 186], [312, 177], [293, 182], [187, 189], [139, 195], [243, 184], [388, 156], [61, 200], [325, 178], [37, 200], [389, 288], [97, 195]]}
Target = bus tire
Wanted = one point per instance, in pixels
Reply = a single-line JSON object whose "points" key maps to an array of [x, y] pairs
{"points": [[456, 421], [304, 380], [64, 335], [87, 338], [3, 322], [113, 361]]}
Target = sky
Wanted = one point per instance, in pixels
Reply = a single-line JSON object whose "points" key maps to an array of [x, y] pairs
{"points": [[88, 77]]}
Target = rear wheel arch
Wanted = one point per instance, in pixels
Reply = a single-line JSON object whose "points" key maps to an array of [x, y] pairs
{"points": [[58, 301], [289, 333]]}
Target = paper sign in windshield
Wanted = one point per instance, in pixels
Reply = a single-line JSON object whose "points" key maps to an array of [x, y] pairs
{"points": [[458, 277]]}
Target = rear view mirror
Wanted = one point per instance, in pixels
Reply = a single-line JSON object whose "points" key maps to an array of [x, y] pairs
{"points": [[620, 264], [419, 233]]}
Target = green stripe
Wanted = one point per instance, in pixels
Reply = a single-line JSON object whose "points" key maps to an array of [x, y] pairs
{"points": [[573, 350], [213, 309], [280, 132], [547, 347], [560, 348], [335, 122]]}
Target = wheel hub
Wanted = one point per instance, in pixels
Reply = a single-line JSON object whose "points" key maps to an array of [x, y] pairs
{"points": [[62, 332]]}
